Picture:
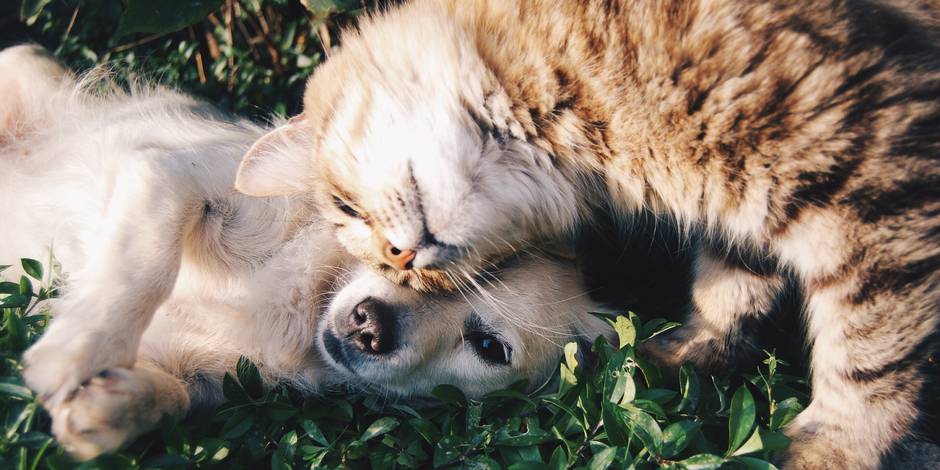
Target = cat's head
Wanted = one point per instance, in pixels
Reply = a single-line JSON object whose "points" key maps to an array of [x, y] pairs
{"points": [[414, 153]]}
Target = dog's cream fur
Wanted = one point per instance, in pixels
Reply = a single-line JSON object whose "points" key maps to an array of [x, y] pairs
{"points": [[171, 275]]}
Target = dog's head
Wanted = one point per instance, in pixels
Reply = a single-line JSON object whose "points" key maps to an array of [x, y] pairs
{"points": [[385, 338]]}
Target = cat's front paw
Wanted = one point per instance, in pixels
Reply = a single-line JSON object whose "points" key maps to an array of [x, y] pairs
{"points": [[812, 449], [105, 413], [669, 351], [62, 360], [815, 454]]}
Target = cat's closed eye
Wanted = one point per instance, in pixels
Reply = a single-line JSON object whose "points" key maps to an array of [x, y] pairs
{"points": [[346, 208]]}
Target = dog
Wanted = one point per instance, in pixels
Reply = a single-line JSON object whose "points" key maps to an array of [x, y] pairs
{"points": [[170, 275]]}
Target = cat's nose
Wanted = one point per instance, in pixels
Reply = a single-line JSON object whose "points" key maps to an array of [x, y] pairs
{"points": [[371, 327], [398, 258]]}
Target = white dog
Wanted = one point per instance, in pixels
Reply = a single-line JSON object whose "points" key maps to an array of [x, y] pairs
{"points": [[172, 275]]}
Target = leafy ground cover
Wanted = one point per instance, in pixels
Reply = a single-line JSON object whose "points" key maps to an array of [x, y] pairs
{"points": [[617, 410], [251, 57]]}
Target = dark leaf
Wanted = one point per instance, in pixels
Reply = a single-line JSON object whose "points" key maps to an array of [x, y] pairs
{"points": [[785, 411], [30, 10], [249, 377], [379, 427], [165, 16], [676, 437], [741, 419], [702, 462], [33, 268], [450, 394]]}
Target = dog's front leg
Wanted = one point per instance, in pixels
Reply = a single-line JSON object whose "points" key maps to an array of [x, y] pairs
{"points": [[134, 257]]}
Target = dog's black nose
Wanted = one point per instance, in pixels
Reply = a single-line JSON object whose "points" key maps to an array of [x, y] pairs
{"points": [[371, 327]]}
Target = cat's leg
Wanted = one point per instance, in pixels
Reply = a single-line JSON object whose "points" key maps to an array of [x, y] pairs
{"points": [[133, 262], [729, 297], [872, 320], [866, 378], [115, 407]]}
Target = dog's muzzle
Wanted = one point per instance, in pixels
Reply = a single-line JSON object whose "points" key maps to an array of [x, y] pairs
{"points": [[368, 332]]}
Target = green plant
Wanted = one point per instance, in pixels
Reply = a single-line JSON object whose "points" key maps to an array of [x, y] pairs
{"points": [[617, 412], [248, 56]]}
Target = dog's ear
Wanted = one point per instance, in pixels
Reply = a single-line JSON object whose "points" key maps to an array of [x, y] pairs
{"points": [[29, 79], [277, 164]]}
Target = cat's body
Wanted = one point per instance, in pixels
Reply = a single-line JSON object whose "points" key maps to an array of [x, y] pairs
{"points": [[450, 133]]}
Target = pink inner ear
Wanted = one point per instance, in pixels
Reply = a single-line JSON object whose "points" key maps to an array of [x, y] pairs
{"points": [[276, 163]]}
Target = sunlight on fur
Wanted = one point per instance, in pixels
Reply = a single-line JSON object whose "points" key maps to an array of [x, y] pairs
{"points": [[171, 275]]}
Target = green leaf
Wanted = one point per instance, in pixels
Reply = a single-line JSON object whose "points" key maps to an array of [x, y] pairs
{"points": [[755, 464], [658, 395], [165, 16], [559, 459], [677, 436], [33, 268], [644, 427], [450, 394], [571, 352], [323, 8], [774, 441], [656, 327], [784, 413], [751, 445], [30, 10], [616, 424], [689, 388], [379, 427], [7, 287], [12, 387], [236, 425], [14, 301], [26, 287], [602, 458], [232, 390], [626, 331], [741, 419], [509, 394], [313, 431], [651, 373], [426, 429], [445, 451], [702, 462], [533, 435], [249, 377]]}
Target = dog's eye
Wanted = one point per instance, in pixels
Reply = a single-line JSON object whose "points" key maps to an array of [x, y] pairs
{"points": [[343, 206], [490, 348]]}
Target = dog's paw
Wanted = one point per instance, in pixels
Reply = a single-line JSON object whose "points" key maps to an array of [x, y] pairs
{"points": [[105, 413], [62, 360]]}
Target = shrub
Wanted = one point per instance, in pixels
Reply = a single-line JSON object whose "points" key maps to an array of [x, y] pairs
{"points": [[618, 412]]}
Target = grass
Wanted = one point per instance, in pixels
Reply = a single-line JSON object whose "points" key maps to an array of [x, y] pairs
{"points": [[619, 411], [251, 57]]}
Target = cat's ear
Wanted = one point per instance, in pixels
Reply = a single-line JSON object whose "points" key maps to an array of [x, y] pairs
{"points": [[277, 165], [29, 80]]}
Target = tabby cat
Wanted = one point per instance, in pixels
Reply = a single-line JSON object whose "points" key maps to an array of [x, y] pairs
{"points": [[450, 133]]}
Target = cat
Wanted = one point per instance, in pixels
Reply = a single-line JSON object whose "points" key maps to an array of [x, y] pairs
{"points": [[449, 134], [170, 276]]}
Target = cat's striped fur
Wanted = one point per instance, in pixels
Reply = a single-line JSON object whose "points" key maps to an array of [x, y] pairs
{"points": [[805, 133]]}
